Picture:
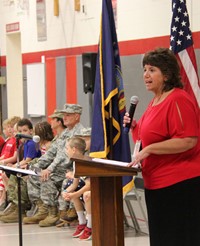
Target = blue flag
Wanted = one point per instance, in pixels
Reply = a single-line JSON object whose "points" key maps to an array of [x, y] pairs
{"points": [[108, 139]]}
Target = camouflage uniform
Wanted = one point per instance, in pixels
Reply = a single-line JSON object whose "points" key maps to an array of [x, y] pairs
{"points": [[12, 191], [56, 161], [63, 204], [45, 193]]}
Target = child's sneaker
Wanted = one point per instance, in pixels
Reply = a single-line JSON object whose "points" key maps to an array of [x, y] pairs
{"points": [[87, 234], [79, 230]]}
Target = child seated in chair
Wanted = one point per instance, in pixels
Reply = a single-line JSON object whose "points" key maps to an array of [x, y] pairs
{"points": [[81, 197]]}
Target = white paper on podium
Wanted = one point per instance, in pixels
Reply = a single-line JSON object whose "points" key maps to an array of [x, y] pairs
{"points": [[111, 162], [18, 170]]}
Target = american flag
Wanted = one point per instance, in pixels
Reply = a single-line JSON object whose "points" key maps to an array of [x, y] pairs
{"points": [[181, 43]]}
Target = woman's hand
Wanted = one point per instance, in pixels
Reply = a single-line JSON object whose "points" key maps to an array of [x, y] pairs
{"points": [[167, 147], [127, 120], [139, 157]]}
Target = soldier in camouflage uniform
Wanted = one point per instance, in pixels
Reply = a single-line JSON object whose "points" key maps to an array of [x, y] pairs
{"points": [[53, 165], [34, 183]]}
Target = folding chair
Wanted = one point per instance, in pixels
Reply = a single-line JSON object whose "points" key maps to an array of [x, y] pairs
{"points": [[134, 195]]}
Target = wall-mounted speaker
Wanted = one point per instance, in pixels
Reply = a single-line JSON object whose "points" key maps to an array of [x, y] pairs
{"points": [[89, 71]]}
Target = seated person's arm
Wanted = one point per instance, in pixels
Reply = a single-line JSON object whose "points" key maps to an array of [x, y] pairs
{"points": [[71, 187], [24, 162], [2, 157], [71, 195], [74, 185], [60, 157], [11, 160]]}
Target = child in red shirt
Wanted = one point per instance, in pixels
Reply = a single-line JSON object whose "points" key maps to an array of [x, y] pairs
{"points": [[8, 154]]}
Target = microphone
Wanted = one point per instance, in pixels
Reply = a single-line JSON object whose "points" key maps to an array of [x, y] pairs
{"points": [[134, 101], [35, 138]]}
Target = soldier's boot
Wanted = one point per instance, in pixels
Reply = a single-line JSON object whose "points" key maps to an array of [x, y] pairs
{"points": [[31, 212], [41, 214], [9, 209], [52, 217], [60, 222], [71, 215], [14, 216]]}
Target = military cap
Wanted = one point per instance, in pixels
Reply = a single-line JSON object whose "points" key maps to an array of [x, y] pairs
{"points": [[84, 132], [56, 114], [72, 109]]}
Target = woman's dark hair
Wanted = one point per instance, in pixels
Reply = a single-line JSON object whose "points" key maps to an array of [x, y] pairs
{"points": [[166, 61], [44, 131], [61, 120]]}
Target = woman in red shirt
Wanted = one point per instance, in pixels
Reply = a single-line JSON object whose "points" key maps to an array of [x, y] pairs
{"points": [[170, 154]]}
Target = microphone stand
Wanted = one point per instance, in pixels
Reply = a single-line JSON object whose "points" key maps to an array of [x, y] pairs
{"points": [[19, 176]]}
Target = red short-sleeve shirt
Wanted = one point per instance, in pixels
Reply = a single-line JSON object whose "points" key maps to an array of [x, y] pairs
{"points": [[175, 117], [9, 148]]}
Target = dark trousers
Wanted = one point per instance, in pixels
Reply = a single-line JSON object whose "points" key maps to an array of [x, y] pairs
{"points": [[174, 214]]}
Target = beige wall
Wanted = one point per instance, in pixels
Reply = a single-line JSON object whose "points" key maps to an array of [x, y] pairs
{"points": [[14, 75], [136, 19]]}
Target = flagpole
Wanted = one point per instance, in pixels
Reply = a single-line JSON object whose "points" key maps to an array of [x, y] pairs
{"points": [[111, 130], [90, 96], [107, 138]]}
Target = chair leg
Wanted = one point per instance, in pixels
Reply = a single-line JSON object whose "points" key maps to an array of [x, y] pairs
{"points": [[141, 208], [126, 221], [133, 217]]}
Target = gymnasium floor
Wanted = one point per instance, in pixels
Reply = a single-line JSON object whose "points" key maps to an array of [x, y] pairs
{"points": [[34, 235], [50, 236]]}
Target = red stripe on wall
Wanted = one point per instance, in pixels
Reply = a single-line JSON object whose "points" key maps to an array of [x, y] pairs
{"points": [[142, 45], [131, 47], [71, 78], [36, 56], [50, 85]]}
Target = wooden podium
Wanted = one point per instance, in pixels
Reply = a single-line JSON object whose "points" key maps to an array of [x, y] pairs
{"points": [[106, 199]]}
